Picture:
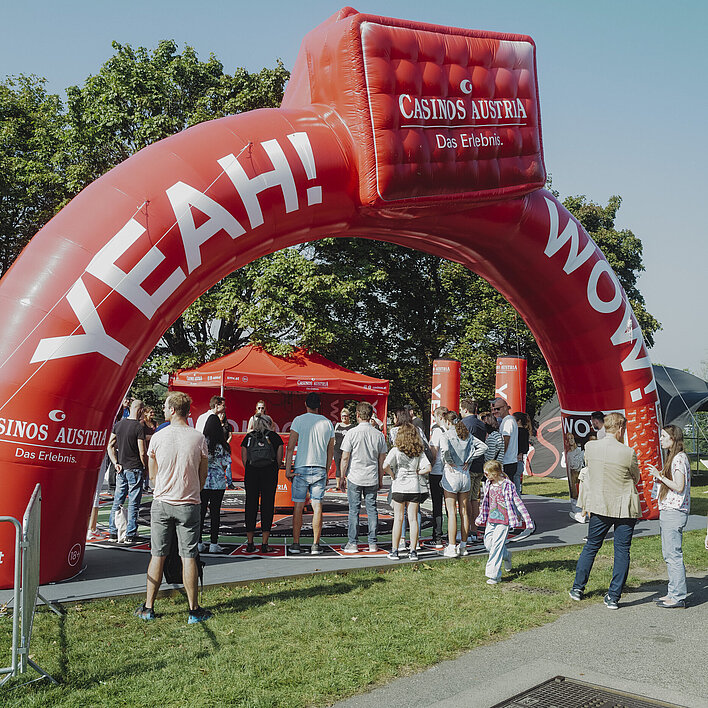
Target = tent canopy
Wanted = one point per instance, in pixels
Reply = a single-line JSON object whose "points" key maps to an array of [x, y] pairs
{"points": [[252, 368]]}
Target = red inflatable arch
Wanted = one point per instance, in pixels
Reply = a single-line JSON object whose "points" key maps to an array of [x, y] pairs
{"points": [[420, 135]]}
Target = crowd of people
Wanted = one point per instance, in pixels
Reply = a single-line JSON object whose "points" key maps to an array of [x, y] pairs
{"points": [[471, 466]]}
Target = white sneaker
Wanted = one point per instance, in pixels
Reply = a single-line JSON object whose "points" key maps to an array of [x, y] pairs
{"points": [[216, 548], [350, 548], [507, 564], [402, 546], [450, 551], [578, 516], [201, 547], [373, 547], [439, 545], [492, 581], [462, 549]]}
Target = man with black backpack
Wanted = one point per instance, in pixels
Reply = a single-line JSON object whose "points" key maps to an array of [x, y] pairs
{"points": [[178, 463]]}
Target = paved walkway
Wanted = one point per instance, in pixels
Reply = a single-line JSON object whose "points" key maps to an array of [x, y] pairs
{"points": [[639, 649]]}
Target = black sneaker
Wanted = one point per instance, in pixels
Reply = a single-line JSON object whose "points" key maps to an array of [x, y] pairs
{"points": [[113, 537], [316, 550], [145, 613], [611, 604], [294, 548], [575, 594], [250, 548], [265, 548], [393, 555], [199, 615], [131, 540]]}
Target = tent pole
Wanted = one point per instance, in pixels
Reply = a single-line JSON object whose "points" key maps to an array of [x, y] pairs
{"points": [[222, 384]]}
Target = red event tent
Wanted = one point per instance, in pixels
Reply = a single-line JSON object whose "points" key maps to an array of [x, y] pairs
{"points": [[251, 374]]}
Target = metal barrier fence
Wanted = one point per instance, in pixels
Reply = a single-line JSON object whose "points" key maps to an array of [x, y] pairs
{"points": [[26, 588]]}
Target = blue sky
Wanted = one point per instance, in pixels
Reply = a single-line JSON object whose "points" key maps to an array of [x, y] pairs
{"points": [[622, 87]]}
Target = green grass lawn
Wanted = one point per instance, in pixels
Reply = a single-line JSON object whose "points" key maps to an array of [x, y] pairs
{"points": [[307, 641], [313, 640]]}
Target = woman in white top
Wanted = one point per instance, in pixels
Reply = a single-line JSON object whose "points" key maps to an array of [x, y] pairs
{"points": [[403, 416], [407, 465], [674, 506], [458, 448]]}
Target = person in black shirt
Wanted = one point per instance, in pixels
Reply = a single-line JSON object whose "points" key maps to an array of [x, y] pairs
{"points": [[126, 448], [340, 430], [261, 480], [525, 433]]}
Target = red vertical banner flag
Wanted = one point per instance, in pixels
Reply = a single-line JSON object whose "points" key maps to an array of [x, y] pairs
{"points": [[511, 381], [446, 384]]}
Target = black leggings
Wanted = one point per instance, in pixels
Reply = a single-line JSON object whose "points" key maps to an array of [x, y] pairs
{"points": [[260, 484], [436, 493], [211, 500]]}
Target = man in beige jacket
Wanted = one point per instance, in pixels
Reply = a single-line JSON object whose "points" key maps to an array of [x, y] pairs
{"points": [[611, 498]]}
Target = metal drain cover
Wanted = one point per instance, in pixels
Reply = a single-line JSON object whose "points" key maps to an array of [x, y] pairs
{"points": [[562, 692]]}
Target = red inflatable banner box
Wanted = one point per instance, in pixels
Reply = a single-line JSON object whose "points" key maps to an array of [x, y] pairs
{"points": [[436, 111]]}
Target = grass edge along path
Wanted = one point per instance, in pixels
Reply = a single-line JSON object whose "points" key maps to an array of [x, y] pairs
{"points": [[311, 640]]}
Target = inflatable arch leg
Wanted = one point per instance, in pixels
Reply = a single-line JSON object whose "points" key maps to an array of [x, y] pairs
{"points": [[91, 295]]}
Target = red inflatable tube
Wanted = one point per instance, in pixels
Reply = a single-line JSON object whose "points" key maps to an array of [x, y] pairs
{"points": [[91, 295]]}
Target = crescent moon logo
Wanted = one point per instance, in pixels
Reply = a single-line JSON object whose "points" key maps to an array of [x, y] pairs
{"points": [[466, 86], [57, 415]]}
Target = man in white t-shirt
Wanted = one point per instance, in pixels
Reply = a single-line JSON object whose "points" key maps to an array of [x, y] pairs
{"points": [[178, 463], [363, 453], [217, 404], [313, 435], [509, 430]]}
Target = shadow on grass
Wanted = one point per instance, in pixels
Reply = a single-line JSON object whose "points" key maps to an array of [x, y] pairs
{"points": [[526, 567], [257, 599], [341, 587]]}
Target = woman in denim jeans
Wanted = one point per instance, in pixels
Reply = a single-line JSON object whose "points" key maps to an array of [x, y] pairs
{"points": [[674, 507]]}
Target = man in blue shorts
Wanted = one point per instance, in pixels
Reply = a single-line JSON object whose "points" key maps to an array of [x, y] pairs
{"points": [[313, 435]]}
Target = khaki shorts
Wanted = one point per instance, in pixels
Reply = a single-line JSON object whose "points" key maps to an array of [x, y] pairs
{"points": [[185, 519], [476, 483]]}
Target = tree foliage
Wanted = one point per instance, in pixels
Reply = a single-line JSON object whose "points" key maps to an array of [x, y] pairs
{"points": [[371, 306], [32, 162], [140, 96]]}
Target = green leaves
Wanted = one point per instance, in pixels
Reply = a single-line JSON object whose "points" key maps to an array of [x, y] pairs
{"points": [[32, 162], [371, 306], [140, 96]]}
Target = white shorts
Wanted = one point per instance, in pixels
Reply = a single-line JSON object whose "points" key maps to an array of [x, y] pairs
{"points": [[454, 481]]}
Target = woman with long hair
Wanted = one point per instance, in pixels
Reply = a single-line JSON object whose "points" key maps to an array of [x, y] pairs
{"points": [[495, 441], [261, 480], [458, 447], [407, 466], [674, 497], [215, 486]]}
